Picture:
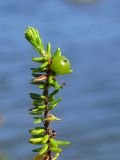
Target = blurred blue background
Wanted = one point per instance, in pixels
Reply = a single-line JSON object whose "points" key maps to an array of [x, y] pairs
{"points": [[87, 33]]}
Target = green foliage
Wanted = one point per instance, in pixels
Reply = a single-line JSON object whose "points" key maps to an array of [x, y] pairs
{"points": [[49, 67]]}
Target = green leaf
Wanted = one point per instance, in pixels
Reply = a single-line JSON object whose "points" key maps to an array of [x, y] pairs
{"points": [[44, 65], [53, 143], [37, 131], [51, 107], [37, 150], [56, 85], [62, 143], [56, 101], [45, 138], [36, 75], [43, 149], [35, 96], [51, 99], [39, 127], [48, 50], [57, 53], [35, 140], [38, 59], [38, 120], [38, 102], [51, 79], [37, 136], [38, 108], [38, 97], [56, 156], [42, 86], [38, 70], [54, 92], [56, 150], [36, 113], [34, 110], [42, 107]]}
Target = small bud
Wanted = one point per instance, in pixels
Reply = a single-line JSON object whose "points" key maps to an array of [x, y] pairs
{"points": [[32, 35]]}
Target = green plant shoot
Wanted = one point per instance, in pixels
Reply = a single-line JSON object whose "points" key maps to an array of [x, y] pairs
{"points": [[49, 67]]}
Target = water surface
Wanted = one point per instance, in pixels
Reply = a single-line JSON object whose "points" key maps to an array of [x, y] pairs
{"points": [[89, 34]]}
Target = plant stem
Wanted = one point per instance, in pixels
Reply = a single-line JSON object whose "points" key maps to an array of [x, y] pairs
{"points": [[46, 123]]}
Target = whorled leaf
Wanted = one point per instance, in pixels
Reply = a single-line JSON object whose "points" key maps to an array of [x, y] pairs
{"points": [[62, 143], [56, 150], [38, 120], [56, 156], [44, 65], [45, 138], [35, 140], [53, 142], [38, 131], [39, 59]]}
